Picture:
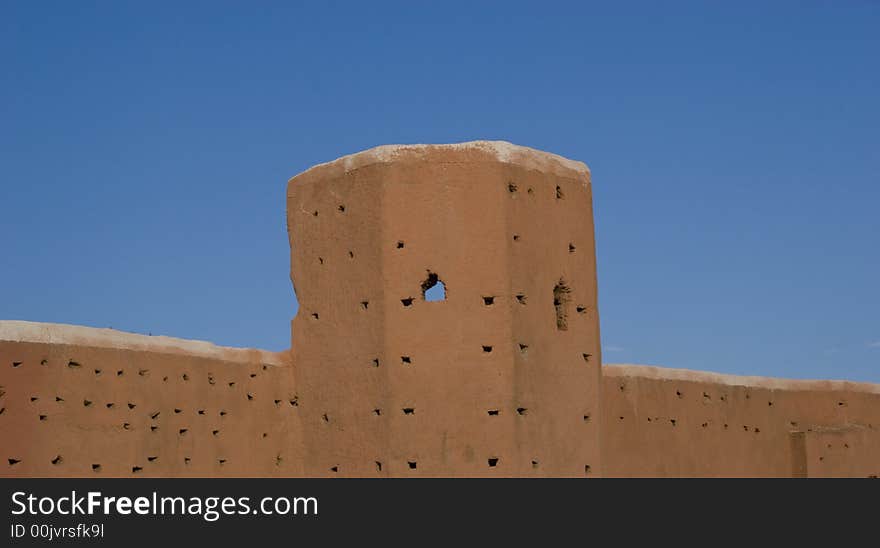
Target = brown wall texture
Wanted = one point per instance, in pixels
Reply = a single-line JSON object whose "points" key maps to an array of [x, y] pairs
{"points": [[500, 378], [673, 422]]}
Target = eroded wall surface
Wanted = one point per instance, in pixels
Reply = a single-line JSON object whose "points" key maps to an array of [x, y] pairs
{"points": [[499, 379], [671, 422], [83, 402]]}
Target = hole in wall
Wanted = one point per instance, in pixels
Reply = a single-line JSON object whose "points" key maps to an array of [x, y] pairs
{"points": [[400, 244], [214, 432], [487, 349], [493, 462], [277, 402], [278, 460], [341, 208], [34, 398], [325, 418], [185, 377], [493, 412], [673, 422], [412, 464], [530, 191], [405, 359], [315, 315], [377, 411], [586, 357], [152, 459], [250, 397], [186, 460], [126, 426], [182, 431], [571, 248], [131, 405], [73, 365], [222, 413], [136, 469], [587, 469], [155, 415], [176, 410], [561, 296], [378, 466], [365, 304], [13, 462], [96, 467], [516, 237], [408, 411], [119, 373], [433, 289], [375, 362], [586, 418], [143, 372], [42, 417], [407, 301], [521, 299], [489, 301], [511, 187], [559, 194], [581, 309], [16, 364], [534, 464], [201, 411], [522, 410], [44, 362], [294, 401], [97, 372], [334, 469], [231, 384], [350, 254], [221, 462], [87, 403], [320, 260]]}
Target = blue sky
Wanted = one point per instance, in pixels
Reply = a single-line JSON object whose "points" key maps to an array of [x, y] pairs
{"points": [[734, 147]]}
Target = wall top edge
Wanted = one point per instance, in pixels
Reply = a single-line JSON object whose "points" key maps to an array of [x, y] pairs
{"points": [[77, 335], [770, 383], [499, 151]]}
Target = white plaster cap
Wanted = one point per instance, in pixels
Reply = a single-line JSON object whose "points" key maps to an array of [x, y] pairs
{"points": [[77, 335]]}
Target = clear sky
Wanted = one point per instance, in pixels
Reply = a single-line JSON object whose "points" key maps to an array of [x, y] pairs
{"points": [[734, 147]]}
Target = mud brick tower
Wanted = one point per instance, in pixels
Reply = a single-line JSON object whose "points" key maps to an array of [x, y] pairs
{"points": [[500, 375]]}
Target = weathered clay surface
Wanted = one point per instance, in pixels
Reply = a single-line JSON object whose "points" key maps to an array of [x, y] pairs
{"points": [[673, 422], [502, 378]]}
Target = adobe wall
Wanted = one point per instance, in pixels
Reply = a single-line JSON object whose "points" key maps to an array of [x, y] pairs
{"points": [[77, 401], [673, 422], [485, 383], [502, 378]]}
